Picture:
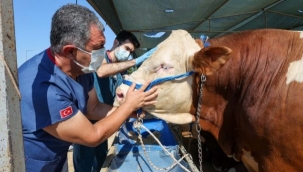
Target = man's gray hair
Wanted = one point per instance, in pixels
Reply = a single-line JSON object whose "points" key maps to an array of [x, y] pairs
{"points": [[71, 25]]}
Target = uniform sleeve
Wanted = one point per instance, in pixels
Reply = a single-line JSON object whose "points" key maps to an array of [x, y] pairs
{"points": [[97, 87], [48, 95], [48, 105], [65, 101], [119, 80], [61, 104]]}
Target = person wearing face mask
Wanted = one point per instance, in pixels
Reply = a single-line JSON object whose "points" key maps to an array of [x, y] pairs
{"points": [[121, 54], [58, 97], [124, 56]]}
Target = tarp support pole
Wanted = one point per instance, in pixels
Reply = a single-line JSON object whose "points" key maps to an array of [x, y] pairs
{"points": [[11, 140]]}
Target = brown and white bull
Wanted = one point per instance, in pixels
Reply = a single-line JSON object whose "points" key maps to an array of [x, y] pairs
{"points": [[252, 98]]}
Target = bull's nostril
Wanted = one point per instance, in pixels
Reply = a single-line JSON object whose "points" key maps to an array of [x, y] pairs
{"points": [[120, 95]]}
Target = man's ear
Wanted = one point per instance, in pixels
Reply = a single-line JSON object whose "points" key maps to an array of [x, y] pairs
{"points": [[69, 51], [116, 43]]}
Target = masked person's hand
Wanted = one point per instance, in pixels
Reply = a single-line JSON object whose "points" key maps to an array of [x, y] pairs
{"points": [[146, 55]]}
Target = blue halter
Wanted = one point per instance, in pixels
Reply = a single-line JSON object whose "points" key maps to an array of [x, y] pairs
{"points": [[157, 81]]}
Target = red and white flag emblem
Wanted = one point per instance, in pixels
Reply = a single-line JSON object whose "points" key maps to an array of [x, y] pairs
{"points": [[66, 112]]}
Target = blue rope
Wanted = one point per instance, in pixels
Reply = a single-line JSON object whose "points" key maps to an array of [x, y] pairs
{"points": [[157, 81], [129, 83], [204, 38]]}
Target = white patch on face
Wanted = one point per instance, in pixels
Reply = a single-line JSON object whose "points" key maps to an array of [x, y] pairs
{"points": [[295, 72], [301, 34]]}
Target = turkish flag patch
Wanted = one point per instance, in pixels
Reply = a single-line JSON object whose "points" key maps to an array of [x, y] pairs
{"points": [[66, 112]]}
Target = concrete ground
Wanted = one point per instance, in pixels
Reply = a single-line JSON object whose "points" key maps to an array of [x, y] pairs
{"points": [[70, 161]]}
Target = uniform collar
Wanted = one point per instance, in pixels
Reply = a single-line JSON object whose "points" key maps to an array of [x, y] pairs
{"points": [[51, 57]]}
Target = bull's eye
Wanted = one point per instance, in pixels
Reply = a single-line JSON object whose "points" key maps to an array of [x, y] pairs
{"points": [[164, 67]]}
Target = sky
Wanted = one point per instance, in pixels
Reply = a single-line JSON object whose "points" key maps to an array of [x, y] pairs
{"points": [[33, 22]]}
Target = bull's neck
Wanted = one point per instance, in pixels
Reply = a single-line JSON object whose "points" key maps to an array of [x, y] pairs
{"points": [[220, 90], [244, 80], [217, 92]]}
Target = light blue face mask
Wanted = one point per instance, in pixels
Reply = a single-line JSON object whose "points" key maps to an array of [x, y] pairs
{"points": [[122, 54], [97, 57]]}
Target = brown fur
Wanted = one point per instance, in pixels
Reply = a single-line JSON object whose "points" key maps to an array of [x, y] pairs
{"points": [[246, 103]]}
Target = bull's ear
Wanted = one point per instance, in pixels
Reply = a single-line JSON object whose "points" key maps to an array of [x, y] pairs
{"points": [[209, 60]]}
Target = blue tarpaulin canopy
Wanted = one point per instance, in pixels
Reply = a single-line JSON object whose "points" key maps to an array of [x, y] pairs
{"points": [[147, 18]]}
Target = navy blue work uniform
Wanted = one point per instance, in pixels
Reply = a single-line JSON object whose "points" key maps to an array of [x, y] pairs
{"points": [[91, 159], [48, 96]]}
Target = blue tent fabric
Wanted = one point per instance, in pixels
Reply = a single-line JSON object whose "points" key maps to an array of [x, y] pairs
{"points": [[129, 154]]}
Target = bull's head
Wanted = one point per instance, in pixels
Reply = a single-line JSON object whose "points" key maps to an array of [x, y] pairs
{"points": [[174, 57]]}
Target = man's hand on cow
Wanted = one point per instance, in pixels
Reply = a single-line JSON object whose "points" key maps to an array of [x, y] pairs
{"points": [[138, 98], [146, 55]]}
